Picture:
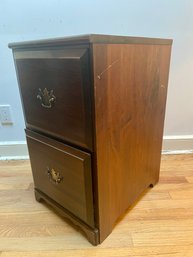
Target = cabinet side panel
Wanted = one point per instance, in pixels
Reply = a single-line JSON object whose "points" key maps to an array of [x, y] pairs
{"points": [[130, 87]]}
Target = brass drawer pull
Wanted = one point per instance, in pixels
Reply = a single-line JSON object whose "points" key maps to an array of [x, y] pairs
{"points": [[54, 176], [47, 98]]}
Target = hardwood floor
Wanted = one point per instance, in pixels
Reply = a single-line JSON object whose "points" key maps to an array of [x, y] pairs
{"points": [[160, 224]]}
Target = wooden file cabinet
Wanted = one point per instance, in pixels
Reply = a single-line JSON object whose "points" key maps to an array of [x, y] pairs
{"points": [[94, 108]]}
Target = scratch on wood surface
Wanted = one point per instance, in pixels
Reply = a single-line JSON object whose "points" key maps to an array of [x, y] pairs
{"points": [[113, 63], [163, 86]]}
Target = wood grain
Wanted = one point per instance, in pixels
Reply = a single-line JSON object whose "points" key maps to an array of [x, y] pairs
{"points": [[130, 87], [157, 225]]}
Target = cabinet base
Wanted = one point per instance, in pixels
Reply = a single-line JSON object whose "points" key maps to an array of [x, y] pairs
{"points": [[92, 234]]}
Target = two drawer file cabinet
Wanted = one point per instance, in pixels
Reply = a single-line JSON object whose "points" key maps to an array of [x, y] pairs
{"points": [[94, 108]]}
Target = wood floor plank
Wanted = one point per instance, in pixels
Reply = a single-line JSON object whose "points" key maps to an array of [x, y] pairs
{"points": [[163, 238], [182, 194], [172, 179], [155, 195], [164, 251], [172, 203], [159, 224], [161, 214]]}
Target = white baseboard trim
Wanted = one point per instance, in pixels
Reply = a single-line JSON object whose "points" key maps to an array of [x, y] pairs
{"points": [[182, 144], [13, 150], [17, 150]]}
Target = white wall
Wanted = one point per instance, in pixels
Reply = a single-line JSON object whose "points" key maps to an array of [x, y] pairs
{"points": [[28, 20]]}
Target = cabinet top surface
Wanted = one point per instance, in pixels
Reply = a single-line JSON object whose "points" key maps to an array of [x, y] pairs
{"points": [[90, 38]]}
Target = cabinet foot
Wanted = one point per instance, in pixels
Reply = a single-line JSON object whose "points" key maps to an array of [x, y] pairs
{"points": [[37, 196], [92, 234]]}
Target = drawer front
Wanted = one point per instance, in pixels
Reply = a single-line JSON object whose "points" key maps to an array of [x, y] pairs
{"points": [[62, 173], [55, 90]]}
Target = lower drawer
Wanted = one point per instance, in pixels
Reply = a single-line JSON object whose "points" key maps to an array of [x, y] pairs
{"points": [[63, 173]]}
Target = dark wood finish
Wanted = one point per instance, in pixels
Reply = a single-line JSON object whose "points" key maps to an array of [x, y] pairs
{"points": [[74, 191], [91, 38], [110, 101], [130, 83], [66, 72], [91, 234]]}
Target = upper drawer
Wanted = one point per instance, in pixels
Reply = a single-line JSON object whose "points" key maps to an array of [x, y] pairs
{"points": [[55, 91]]}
